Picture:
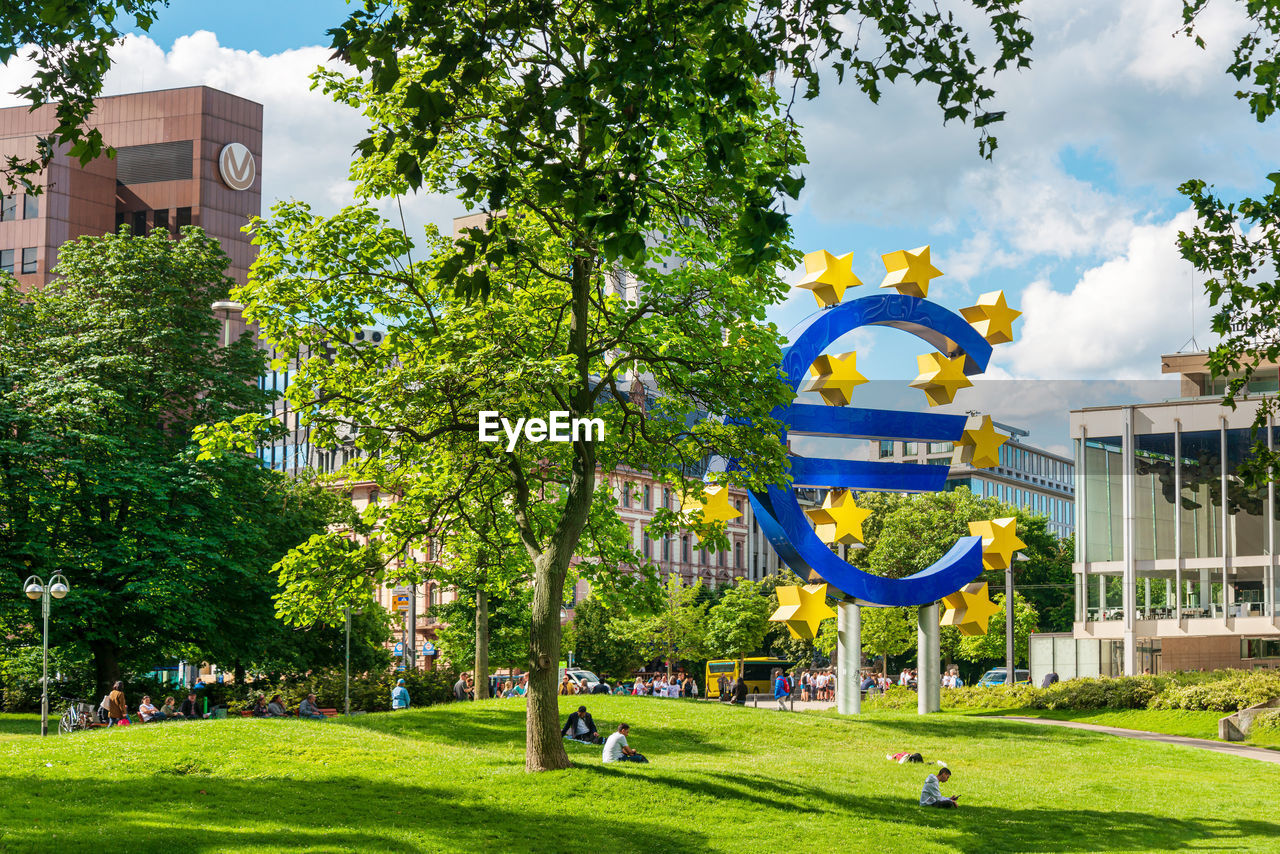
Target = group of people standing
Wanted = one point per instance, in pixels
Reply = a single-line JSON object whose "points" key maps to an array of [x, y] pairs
{"points": [[817, 685], [677, 686]]}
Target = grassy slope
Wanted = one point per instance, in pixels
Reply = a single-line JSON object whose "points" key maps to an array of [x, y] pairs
{"points": [[723, 779], [1171, 722]]}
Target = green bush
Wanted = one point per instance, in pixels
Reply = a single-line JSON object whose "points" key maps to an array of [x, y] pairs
{"points": [[1267, 720], [1126, 692], [1021, 696], [1233, 690], [20, 677], [897, 698]]}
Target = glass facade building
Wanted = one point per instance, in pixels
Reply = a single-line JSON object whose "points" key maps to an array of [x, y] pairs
{"points": [[1175, 552]]}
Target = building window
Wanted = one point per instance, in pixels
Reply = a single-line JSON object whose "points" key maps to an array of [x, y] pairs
{"points": [[139, 222], [29, 259], [737, 505], [940, 447], [666, 548], [6, 261], [648, 497], [720, 559], [119, 221], [909, 449], [684, 549], [737, 556], [626, 494], [184, 217], [648, 548], [30, 206], [886, 448], [162, 219], [666, 499], [8, 207]]}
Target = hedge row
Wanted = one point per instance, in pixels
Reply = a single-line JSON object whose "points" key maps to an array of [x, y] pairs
{"points": [[1217, 691]]}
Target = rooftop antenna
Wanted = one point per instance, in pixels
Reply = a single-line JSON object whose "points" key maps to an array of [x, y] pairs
{"points": [[1195, 345]]}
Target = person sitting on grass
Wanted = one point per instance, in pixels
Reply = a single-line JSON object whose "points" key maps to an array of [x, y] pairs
{"points": [[581, 727], [169, 709], [190, 708], [616, 749], [148, 711], [309, 709], [932, 795]]}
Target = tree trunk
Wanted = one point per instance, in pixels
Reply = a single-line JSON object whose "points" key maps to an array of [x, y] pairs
{"points": [[106, 666], [237, 673], [544, 749], [482, 641]]}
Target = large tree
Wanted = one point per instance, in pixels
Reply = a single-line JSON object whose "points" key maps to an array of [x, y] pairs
{"points": [[639, 159], [104, 374]]}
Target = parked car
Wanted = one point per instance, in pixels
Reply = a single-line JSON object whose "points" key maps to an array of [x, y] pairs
{"points": [[997, 676], [582, 678]]}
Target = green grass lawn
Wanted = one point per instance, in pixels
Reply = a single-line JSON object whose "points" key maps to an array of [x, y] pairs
{"points": [[722, 779]]}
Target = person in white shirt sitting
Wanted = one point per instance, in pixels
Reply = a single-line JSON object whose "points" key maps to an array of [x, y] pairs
{"points": [[931, 796], [616, 749], [149, 712]]}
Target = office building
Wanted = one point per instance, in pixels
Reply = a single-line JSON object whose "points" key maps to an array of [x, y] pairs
{"points": [[1175, 555], [189, 156]]}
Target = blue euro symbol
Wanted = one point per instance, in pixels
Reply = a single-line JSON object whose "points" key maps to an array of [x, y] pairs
{"points": [[777, 509]]}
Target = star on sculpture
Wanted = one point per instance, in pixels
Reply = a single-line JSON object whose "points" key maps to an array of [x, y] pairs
{"points": [[969, 609], [940, 378], [910, 271], [992, 317], [839, 519], [980, 448], [999, 541], [803, 609], [715, 506], [828, 276], [834, 377]]}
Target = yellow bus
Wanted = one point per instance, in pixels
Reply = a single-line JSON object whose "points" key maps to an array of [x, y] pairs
{"points": [[758, 673]]}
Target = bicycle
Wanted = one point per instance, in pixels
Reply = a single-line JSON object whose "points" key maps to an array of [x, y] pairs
{"points": [[78, 715]]}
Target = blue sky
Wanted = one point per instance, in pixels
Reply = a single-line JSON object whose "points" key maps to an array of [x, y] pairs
{"points": [[1075, 218]]}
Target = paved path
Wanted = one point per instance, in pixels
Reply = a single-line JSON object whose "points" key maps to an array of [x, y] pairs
{"points": [[1259, 753]]}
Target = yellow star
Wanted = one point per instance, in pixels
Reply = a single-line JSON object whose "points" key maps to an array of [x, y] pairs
{"points": [[715, 507], [910, 271], [992, 317], [828, 276], [981, 448], [834, 377], [969, 609], [999, 541], [940, 378], [803, 609], [839, 519]]}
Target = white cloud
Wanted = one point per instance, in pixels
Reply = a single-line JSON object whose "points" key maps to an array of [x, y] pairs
{"points": [[1117, 318]]}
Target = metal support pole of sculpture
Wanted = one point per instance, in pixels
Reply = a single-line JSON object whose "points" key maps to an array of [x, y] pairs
{"points": [[928, 649], [849, 662]]}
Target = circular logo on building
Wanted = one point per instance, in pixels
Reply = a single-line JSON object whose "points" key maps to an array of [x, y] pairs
{"points": [[235, 163]]}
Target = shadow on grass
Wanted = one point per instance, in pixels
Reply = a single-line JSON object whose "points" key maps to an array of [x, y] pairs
{"points": [[27, 724], [489, 724], [973, 829], [198, 813]]}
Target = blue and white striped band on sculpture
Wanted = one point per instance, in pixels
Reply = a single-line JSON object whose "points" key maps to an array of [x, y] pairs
{"points": [[778, 511]]}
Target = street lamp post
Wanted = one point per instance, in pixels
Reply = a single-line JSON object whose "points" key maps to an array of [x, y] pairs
{"points": [[35, 588]]}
